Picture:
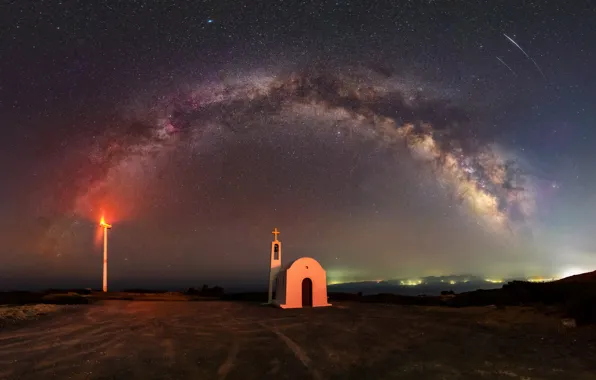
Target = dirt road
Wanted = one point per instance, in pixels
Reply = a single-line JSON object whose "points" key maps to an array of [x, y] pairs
{"points": [[235, 340]]}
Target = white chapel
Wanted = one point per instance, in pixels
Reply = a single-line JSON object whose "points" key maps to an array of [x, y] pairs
{"points": [[301, 283]]}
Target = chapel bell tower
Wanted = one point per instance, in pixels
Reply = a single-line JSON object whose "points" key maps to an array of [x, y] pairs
{"points": [[275, 259]]}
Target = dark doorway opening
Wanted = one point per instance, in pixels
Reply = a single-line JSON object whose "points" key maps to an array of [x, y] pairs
{"points": [[307, 292]]}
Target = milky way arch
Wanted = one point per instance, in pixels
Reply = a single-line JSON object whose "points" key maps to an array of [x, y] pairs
{"points": [[373, 107]]}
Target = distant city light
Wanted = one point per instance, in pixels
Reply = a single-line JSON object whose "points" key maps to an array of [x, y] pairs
{"points": [[343, 278], [540, 279]]}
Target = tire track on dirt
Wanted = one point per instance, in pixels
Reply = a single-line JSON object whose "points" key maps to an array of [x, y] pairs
{"points": [[69, 346], [298, 352], [60, 342], [227, 365]]}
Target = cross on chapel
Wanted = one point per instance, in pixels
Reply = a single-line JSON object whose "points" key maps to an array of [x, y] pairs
{"points": [[275, 233]]}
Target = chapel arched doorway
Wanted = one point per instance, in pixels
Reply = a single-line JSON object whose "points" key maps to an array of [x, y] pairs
{"points": [[307, 292]]}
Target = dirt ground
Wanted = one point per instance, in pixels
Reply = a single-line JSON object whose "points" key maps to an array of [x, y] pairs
{"points": [[238, 340], [16, 314]]}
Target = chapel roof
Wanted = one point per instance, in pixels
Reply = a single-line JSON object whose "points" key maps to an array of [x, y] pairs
{"points": [[310, 260]]}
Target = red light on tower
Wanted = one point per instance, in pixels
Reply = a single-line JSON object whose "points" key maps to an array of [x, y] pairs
{"points": [[103, 223]]}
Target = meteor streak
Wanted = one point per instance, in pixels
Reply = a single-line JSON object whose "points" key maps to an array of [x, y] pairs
{"points": [[526, 54], [516, 44], [506, 65]]}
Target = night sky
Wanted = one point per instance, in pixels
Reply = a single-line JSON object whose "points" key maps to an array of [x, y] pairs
{"points": [[385, 139]]}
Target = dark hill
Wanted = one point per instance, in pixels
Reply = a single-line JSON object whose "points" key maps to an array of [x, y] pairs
{"points": [[589, 277], [575, 296]]}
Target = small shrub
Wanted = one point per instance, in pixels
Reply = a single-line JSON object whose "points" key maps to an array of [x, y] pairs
{"points": [[206, 291], [65, 299], [192, 291]]}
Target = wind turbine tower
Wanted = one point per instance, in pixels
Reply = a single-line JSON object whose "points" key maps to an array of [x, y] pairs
{"points": [[105, 227]]}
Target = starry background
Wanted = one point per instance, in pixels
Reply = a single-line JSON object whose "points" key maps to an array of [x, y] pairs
{"points": [[76, 77]]}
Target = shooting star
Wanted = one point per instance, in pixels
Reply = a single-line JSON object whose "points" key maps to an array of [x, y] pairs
{"points": [[526, 54], [506, 65]]}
